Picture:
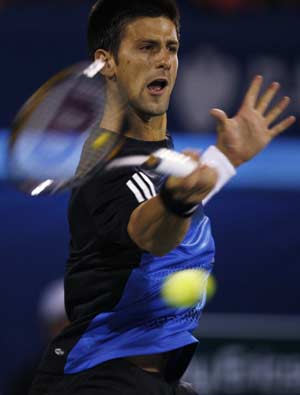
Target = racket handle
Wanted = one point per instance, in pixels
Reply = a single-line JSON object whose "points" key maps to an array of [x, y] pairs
{"points": [[170, 163]]}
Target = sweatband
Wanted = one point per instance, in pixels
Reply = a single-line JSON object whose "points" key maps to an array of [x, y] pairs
{"points": [[213, 157], [175, 206]]}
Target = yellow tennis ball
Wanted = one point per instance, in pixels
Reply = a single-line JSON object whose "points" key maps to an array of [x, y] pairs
{"points": [[211, 287], [185, 288]]}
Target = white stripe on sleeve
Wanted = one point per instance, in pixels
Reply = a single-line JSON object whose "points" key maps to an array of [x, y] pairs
{"points": [[135, 191], [149, 182], [143, 186]]}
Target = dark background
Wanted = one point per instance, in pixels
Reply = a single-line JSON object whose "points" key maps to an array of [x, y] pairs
{"points": [[255, 220]]}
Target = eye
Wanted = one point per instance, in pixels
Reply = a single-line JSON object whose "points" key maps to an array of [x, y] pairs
{"points": [[148, 47], [173, 49]]}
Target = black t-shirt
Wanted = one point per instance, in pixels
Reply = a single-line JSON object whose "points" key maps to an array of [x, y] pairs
{"points": [[112, 287], [102, 254]]}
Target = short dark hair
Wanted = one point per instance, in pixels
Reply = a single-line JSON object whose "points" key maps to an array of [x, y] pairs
{"points": [[108, 19]]}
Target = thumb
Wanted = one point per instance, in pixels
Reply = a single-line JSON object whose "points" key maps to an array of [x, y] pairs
{"points": [[219, 115]]}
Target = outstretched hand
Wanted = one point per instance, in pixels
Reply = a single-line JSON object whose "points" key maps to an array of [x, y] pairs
{"points": [[254, 126]]}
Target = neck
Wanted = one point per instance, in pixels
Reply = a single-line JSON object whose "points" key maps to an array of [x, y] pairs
{"points": [[118, 115], [146, 128]]}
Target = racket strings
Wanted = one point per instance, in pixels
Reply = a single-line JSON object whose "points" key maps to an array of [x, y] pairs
{"points": [[57, 140], [100, 146], [54, 123], [83, 104]]}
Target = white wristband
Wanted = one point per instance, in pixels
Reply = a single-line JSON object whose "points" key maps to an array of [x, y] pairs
{"points": [[179, 165], [213, 157]]}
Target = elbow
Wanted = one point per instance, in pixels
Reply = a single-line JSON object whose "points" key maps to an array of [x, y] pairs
{"points": [[163, 247], [155, 247], [158, 250]]}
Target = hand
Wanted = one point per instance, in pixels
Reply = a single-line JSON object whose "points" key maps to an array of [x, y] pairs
{"points": [[242, 137], [196, 186]]}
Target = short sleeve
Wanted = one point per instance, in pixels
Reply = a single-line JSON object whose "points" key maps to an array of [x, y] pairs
{"points": [[111, 199]]}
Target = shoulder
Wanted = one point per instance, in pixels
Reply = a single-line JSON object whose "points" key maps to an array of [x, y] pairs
{"points": [[125, 183]]}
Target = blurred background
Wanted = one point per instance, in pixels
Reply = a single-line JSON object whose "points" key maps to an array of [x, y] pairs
{"points": [[250, 332]]}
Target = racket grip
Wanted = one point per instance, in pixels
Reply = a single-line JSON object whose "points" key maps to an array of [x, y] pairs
{"points": [[170, 163]]}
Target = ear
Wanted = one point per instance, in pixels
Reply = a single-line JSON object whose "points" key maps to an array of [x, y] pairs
{"points": [[110, 64]]}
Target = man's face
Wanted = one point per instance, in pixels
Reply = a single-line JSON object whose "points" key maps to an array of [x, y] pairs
{"points": [[147, 64]]}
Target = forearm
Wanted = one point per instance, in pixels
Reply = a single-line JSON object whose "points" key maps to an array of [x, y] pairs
{"points": [[160, 224], [154, 229]]}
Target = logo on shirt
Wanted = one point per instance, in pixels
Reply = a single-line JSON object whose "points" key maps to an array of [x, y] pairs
{"points": [[141, 186], [59, 352]]}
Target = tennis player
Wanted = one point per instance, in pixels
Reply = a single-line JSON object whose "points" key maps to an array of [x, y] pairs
{"points": [[130, 229]]}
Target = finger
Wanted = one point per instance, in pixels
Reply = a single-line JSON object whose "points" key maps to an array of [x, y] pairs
{"points": [[197, 182], [277, 110], [219, 115], [200, 177], [282, 126], [266, 99], [207, 180], [193, 154], [253, 91]]}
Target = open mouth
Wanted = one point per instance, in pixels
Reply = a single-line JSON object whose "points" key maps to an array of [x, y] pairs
{"points": [[157, 86]]}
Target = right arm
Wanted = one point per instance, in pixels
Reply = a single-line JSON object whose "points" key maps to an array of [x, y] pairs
{"points": [[156, 229]]}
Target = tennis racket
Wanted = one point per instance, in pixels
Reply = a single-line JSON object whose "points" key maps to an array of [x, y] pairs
{"points": [[56, 142]]}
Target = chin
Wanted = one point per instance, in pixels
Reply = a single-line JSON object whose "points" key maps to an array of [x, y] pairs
{"points": [[149, 108], [156, 113], [155, 110]]}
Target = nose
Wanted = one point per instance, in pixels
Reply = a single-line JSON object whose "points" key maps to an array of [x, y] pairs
{"points": [[164, 60]]}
